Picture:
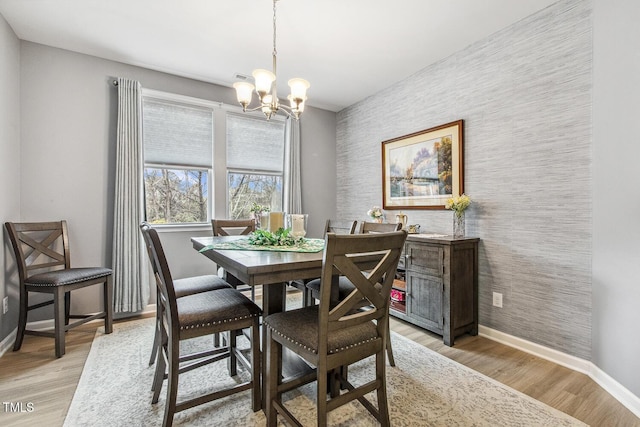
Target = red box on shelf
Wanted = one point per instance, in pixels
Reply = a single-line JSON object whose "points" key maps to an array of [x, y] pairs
{"points": [[398, 295]]}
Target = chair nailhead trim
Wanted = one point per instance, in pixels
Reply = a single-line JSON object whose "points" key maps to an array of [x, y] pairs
{"points": [[203, 325], [314, 351], [97, 276]]}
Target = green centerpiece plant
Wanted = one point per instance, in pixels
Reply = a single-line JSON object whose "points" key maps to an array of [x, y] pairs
{"points": [[281, 237]]}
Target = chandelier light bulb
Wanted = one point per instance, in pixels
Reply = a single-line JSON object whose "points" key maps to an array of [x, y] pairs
{"points": [[244, 92], [266, 104], [264, 79], [299, 88]]}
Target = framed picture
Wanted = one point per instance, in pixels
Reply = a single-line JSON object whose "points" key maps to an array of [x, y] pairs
{"points": [[422, 170]]}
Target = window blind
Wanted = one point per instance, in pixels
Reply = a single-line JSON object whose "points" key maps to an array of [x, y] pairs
{"points": [[255, 143], [177, 134]]}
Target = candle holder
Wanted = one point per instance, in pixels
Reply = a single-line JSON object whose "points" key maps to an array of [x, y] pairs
{"points": [[276, 221], [297, 224]]}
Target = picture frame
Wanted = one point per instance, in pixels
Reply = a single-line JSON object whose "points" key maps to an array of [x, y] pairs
{"points": [[423, 169]]}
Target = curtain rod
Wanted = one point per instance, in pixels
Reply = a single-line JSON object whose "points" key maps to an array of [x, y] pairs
{"points": [[179, 97]]}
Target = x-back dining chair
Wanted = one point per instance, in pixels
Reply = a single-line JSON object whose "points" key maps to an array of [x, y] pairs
{"points": [[330, 336], [336, 226], [183, 287], [44, 266], [345, 287], [378, 227], [201, 314], [231, 227]]}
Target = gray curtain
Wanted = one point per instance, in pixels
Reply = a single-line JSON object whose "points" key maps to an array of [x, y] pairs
{"points": [[292, 191], [130, 272]]}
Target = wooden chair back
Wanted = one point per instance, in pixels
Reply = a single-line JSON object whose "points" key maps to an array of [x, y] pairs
{"points": [[39, 246], [167, 303], [338, 226], [378, 227], [369, 261], [230, 227]]}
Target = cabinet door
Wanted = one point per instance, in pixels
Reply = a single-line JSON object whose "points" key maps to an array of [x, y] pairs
{"points": [[424, 300]]}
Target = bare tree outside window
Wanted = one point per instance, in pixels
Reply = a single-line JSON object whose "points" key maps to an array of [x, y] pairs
{"points": [[175, 195], [247, 189]]}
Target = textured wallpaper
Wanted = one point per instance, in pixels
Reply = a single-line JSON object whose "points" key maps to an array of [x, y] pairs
{"points": [[524, 94]]}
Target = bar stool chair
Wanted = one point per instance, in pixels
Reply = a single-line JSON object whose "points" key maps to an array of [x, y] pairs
{"points": [[345, 287], [183, 287], [336, 226], [201, 314], [330, 336], [231, 227]]}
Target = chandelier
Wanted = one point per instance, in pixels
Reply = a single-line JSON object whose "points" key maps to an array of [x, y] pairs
{"points": [[265, 87]]}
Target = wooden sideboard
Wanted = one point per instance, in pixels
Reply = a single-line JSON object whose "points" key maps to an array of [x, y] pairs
{"points": [[438, 280]]}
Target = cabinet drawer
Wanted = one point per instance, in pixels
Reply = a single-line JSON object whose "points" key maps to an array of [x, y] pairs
{"points": [[427, 259]]}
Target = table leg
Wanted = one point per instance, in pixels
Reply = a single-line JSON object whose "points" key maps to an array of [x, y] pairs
{"points": [[273, 296]]}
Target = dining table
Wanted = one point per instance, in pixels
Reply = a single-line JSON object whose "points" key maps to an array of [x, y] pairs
{"points": [[273, 268]]}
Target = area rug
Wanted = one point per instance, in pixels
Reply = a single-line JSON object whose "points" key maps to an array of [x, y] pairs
{"points": [[424, 389]]}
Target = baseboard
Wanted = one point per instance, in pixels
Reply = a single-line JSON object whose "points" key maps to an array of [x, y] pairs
{"points": [[611, 386], [7, 343]]}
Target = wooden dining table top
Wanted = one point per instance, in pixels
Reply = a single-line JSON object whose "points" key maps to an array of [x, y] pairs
{"points": [[261, 267], [270, 268]]}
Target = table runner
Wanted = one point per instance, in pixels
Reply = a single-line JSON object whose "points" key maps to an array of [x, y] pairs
{"points": [[306, 245]]}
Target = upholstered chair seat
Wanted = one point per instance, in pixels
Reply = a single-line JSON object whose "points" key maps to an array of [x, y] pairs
{"points": [[67, 277], [213, 311], [197, 284], [300, 328]]}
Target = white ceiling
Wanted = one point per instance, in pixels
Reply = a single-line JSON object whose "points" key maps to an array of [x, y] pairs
{"points": [[347, 49]]}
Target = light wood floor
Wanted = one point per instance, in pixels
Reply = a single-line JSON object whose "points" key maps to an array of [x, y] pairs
{"points": [[34, 375]]}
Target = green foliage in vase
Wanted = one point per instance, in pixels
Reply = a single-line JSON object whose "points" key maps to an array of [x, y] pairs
{"points": [[281, 237]]}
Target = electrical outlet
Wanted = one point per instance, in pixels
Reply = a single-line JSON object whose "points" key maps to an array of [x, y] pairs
{"points": [[497, 299], [5, 305]]}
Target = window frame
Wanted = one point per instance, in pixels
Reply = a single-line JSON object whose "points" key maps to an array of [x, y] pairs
{"points": [[219, 170]]}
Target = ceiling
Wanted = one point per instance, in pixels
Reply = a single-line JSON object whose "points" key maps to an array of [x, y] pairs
{"points": [[347, 49]]}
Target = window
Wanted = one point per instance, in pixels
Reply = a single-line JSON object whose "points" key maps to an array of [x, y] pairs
{"points": [[179, 151], [255, 163], [178, 145]]}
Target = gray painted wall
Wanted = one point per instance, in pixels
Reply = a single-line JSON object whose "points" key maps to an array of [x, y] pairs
{"points": [[616, 190], [9, 167], [68, 144]]}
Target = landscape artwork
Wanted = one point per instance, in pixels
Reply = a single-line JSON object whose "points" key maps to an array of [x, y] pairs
{"points": [[422, 170]]}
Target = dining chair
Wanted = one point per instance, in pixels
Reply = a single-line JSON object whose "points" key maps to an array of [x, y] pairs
{"points": [[44, 266], [330, 336], [345, 287], [231, 227], [336, 226], [197, 315], [378, 227], [183, 287]]}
